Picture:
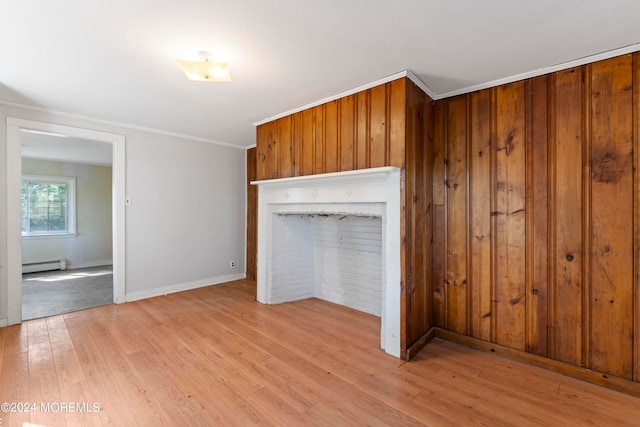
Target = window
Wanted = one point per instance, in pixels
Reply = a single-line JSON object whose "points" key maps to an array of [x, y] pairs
{"points": [[48, 205]]}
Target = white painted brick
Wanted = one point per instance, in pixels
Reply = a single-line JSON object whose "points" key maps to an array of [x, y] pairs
{"points": [[337, 258], [291, 259]]}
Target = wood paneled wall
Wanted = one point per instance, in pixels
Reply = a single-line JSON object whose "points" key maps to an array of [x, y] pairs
{"points": [[417, 234], [387, 125], [252, 217], [537, 215], [363, 130]]}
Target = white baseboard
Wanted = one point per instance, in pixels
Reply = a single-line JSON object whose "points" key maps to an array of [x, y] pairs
{"points": [[90, 264], [4, 322], [150, 293]]}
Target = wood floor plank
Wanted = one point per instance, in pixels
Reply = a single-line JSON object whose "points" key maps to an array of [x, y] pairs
{"points": [[37, 332], [276, 409], [291, 385], [114, 407], [243, 411], [60, 340], [222, 368], [68, 368], [43, 386], [14, 386], [80, 392], [111, 352], [348, 400], [214, 356], [253, 333], [16, 339], [88, 352], [180, 408], [148, 411]]}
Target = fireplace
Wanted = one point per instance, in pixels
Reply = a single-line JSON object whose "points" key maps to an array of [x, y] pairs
{"points": [[336, 237]]}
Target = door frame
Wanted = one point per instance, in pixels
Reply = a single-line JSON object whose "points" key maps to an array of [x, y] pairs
{"points": [[13, 220]]}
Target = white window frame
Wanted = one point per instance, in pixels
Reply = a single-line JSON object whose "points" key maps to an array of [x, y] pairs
{"points": [[70, 182]]}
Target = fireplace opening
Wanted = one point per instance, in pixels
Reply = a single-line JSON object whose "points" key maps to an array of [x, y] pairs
{"points": [[333, 257]]}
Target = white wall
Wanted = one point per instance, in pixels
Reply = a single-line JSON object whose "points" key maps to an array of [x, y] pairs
{"points": [[93, 244], [187, 215]]}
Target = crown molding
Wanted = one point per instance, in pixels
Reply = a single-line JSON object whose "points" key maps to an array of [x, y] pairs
{"points": [[542, 71], [118, 124], [333, 97]]}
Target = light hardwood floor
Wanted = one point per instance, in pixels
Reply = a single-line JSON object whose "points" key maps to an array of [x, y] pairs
{"points": [[214, 356]]}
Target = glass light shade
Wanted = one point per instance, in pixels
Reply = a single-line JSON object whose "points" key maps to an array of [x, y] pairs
{"points": [[212, 71]]}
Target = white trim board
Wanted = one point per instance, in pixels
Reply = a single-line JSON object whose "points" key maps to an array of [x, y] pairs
{"points": [[102, 263]]}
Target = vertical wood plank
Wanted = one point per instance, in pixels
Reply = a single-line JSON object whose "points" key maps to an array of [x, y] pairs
{"points": [[611, 327], [567, 213], [636, 214], [586, 215], [331, 161], [271, 153], [480, 213], [378, 126], [318, 138], [285, 149], [363, 119], [551, 214], [347, 138], [252, 215], [439, 214], [494, 218], [456, 274], [407, 305], [396, 117], [308, 143], [425, 119], [297, 143], [510, 216], [537, 216], [261, 152], [410, 248]]}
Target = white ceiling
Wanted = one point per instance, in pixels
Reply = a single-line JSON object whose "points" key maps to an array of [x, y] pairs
{"points": [[116, 60]]}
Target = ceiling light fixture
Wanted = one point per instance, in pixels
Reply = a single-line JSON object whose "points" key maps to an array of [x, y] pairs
{"points": [[207, 69]]}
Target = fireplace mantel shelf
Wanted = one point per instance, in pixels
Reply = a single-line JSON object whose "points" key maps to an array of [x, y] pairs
{"points": [[353, 176]]}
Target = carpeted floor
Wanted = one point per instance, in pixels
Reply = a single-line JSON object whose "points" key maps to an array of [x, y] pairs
{"points": [[56, 292]]}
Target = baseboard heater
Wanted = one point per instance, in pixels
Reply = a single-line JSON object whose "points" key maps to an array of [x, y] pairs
{"points": [[36, 267]]}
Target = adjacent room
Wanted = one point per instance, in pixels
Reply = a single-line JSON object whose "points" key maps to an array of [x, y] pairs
{"points": [[66, 205], [364, 213]]}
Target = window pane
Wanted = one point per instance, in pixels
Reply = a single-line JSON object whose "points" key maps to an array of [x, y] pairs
{"points": [[25, 198], [44, 207]]}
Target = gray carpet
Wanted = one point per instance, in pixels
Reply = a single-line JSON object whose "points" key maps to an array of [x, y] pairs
{"points": [[55, 292]]}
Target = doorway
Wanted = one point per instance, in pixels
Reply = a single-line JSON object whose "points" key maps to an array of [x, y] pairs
{"points": [[15, 132]]}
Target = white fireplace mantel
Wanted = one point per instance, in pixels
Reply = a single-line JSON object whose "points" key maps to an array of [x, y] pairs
{"points": [[374, 191]]}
